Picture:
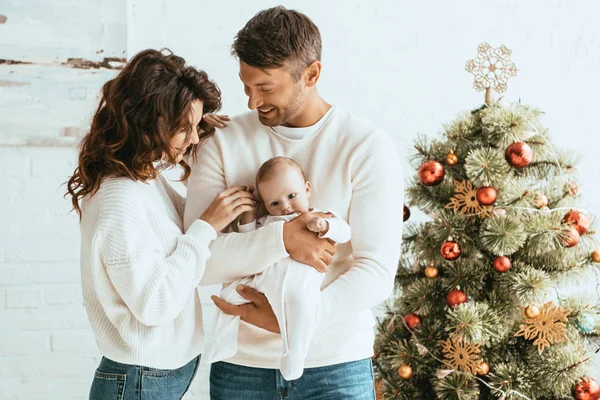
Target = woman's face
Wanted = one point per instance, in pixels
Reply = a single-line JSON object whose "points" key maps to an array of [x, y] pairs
{"points": [[190, 135]]}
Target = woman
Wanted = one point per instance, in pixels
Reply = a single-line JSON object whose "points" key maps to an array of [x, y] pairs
{"points": [[139, 270]]}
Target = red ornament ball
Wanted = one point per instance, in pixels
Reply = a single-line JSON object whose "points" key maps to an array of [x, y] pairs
{"points": [[519, 155], [412, 320], [456, 297], [571, 238], [586, 389], [502, 264], [486, 196], [450, 250], [577, 219], [431, 173], [406, 214]]}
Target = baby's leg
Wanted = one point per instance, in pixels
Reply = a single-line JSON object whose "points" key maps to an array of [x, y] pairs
{"points": [[302, 298], [222, 341]]}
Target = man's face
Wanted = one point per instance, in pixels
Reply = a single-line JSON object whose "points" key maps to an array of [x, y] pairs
{"points": [[273, 93]]}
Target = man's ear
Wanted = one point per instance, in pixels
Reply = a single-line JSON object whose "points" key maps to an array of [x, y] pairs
{"points": [[312, 73], [308, 189]]}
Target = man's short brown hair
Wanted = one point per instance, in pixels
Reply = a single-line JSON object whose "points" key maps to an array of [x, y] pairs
{"points": [[278, 37]]}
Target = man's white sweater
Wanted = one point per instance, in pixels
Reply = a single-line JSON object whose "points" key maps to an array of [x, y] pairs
{"points": [[140, 273], [354, 168]]}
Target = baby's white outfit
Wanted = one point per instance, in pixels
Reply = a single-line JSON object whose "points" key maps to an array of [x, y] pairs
{"points": [[293, 290]]}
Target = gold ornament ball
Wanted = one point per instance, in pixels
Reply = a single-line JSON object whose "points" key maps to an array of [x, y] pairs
{"points": [[431, 173], [596, 256], [532, 311], [451, 159], [405, 371], [486, 196], [540, 200], [519, 155], [450, 250], [483, 368], [571, 238], [502, 264], [577, 219], [586, 389], [431, 272]]}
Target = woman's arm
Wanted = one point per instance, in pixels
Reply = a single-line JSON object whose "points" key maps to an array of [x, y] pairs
{"points": [[155, 286]]}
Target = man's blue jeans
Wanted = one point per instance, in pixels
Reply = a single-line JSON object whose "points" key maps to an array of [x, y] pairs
{"points": [[351, 380], [116, 381]]}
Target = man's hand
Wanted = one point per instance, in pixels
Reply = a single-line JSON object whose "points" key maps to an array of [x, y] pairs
{"points": [[258, 313], [303, 246]]}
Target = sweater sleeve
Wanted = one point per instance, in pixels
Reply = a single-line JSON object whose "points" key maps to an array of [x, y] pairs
{"points": [[154, 286], [249, 227], [234, 255], [375, 218]]}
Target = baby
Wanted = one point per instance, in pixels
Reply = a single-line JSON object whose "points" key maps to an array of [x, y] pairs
{"points": [[292, 288]]}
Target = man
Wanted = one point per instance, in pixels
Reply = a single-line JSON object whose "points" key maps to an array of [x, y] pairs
{"points": [[355, 170]]}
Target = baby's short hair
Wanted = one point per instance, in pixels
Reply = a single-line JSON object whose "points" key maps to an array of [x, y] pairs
{"points": [[274, 165]]}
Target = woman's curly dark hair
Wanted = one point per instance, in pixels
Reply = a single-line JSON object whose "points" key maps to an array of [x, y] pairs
{"points": [[140, 111]]}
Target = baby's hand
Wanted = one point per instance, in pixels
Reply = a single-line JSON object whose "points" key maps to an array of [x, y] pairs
{"points": [[317, 225]]}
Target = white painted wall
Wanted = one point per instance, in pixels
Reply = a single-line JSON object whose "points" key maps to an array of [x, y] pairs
{"points": [[398, 63]]}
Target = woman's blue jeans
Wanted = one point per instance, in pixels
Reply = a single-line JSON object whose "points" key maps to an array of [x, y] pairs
{"points": [[116, 381], [351, 380]]}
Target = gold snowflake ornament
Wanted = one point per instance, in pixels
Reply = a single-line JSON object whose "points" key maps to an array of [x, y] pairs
{"points": [[460, 355], [547, 328], [465, 200], [491, 68]]}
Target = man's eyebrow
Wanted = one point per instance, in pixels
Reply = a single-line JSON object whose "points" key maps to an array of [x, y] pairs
{"points": [[257, 84]]}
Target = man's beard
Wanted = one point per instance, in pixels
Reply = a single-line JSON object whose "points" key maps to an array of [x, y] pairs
{"points": [[285, 114]]}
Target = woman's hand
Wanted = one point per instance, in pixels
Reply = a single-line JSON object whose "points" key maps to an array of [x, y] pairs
{"points": [[258, 312], [227, 205], [249, 216], [218, 121]]}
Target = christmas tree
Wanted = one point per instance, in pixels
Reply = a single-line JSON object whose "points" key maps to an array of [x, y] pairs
{"points": [[479, 313]]}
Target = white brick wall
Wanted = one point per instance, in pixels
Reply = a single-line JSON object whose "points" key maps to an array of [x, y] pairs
{"points": [[399, 63]]}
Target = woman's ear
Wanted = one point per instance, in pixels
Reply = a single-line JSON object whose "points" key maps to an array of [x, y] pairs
{"points": [[308, 189]]}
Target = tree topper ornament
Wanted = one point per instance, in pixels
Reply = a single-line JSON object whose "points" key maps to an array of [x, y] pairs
{"points": [[491, 69]]}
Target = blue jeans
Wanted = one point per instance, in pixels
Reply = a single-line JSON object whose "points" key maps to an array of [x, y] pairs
{"points": [[351, 380], [116, 381]]}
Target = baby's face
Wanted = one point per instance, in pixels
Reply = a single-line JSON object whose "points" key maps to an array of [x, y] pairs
{"points": [[285, 193]]}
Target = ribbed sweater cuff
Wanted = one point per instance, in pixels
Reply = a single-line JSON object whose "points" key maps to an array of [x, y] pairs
{"points": [[202, 231]]}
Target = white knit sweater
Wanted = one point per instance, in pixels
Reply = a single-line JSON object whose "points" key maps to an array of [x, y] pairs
{"points": [[140, 273], [354, 168]]}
